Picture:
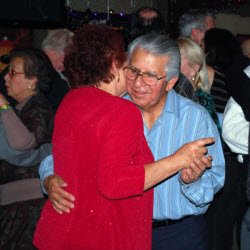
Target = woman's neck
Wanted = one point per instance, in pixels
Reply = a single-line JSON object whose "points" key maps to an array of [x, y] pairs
{"points": [[111, 88], [25, 97]]}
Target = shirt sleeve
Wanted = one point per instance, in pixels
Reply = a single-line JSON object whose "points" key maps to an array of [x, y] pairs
{"points": [[46, 169], [18, 136], [202, 192], [235, 129], [121, 170]]}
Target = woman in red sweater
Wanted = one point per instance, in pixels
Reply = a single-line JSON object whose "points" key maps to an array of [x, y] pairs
{"points": [[100, 149]]}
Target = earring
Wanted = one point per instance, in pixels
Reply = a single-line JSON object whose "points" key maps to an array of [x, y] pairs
{"points": [[118, 76], [29, 87]]}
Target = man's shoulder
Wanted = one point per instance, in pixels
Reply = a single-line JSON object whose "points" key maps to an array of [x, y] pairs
{"points": [[190, 111], [187, 104]]}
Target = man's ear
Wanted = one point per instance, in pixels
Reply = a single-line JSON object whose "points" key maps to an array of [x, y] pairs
{"points": [[171, 83], [194, 34]]}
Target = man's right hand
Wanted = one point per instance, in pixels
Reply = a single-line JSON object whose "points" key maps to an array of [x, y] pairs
{"points": [[192, 151], [61, 200]]}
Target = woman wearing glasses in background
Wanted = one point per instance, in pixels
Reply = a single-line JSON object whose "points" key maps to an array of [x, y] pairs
{"points": [[26, 127]]}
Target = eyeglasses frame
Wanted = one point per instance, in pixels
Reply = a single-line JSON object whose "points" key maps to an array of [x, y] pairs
{"points": [[12, 72], [139, 73]]}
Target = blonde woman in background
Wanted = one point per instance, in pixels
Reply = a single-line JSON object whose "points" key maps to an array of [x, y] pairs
{"points": [[193, 66]]}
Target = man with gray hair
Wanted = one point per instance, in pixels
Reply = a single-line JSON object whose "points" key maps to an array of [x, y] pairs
{"points": [[54, 45], [170, 121], [195, 22]]}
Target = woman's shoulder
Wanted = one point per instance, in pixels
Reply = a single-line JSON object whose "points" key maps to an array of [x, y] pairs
{"points": [[92, 96], [39, 99], [37, 108], [37, 103]]}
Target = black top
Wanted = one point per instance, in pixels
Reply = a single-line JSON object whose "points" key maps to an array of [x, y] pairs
{"points": [[219, 90], [184, 87], [248, 176], [238, 84]]}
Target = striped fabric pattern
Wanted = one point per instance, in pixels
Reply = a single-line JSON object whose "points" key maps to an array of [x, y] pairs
{"points": [[183, 121], [219, 90]]}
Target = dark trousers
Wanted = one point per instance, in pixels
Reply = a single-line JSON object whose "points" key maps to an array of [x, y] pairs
{"points": [[189, 234], [228, 208]]}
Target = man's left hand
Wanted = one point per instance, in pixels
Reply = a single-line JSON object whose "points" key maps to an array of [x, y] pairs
{"points": [[196, 169]]}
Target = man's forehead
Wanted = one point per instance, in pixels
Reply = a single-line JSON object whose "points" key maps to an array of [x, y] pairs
{"points": [[141, 54]]}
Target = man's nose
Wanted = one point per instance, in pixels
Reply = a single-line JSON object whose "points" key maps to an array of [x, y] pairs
{"points": [[138, 82]]}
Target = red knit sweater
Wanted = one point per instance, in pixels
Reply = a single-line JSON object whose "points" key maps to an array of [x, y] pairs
{"points": [[100, 150]]}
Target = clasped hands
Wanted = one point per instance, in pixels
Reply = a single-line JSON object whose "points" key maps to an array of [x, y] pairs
{"points": [[194, 159]]}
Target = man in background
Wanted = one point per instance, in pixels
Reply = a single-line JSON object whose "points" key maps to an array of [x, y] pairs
{"points": [[194, 23]]}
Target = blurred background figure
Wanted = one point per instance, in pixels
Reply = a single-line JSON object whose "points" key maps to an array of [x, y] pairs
{"points": [[53, 45], [27, 126], [194, 23], [193, 66], [245, 46], [245, 229], [236, 134], [221, 49], [145, 20], [227, 79]]}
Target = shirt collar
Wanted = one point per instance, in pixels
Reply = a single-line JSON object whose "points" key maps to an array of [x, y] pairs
{"points": [[171, 106]]}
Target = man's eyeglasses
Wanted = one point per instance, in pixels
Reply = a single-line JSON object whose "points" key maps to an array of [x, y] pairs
{"points": [[12, 72], [147, 78]]}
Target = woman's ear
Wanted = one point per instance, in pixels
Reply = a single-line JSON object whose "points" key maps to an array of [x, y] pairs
{"points": [[196, 68], [32, 83], [114, 68]]}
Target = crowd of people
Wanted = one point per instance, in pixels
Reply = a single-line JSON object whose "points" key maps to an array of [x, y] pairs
{"points": [[139, 145]]}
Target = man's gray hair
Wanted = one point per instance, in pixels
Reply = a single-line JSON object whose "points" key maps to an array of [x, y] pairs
{"points": [[193, 19], [159, 45], [57, 40]]}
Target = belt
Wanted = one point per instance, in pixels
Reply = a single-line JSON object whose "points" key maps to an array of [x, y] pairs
{"points": [[163, 223]]}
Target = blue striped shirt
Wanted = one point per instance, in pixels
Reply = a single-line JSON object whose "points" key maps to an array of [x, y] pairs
{"points": [[180, 122]]}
